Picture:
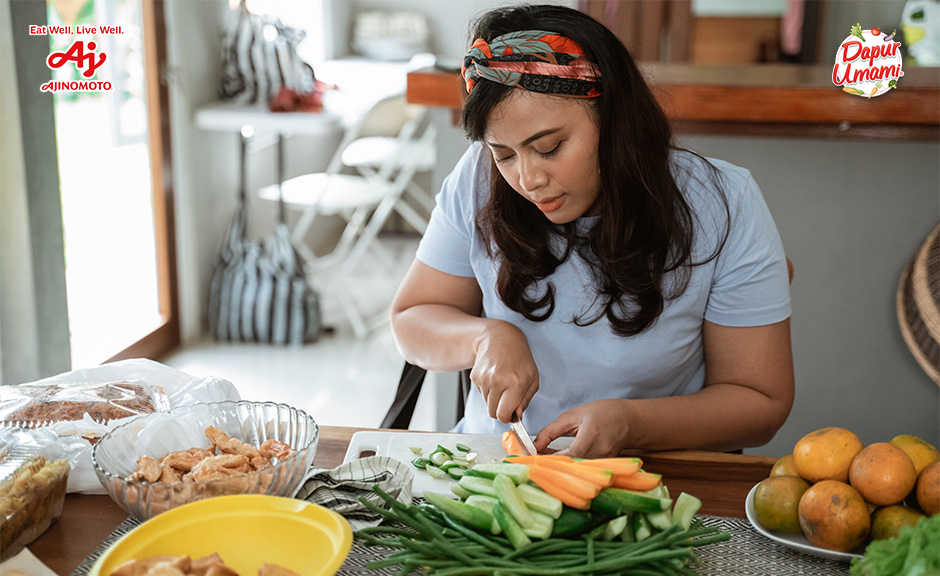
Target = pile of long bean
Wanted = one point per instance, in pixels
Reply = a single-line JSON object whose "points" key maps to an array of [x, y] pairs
{"points": [[426, 538]]}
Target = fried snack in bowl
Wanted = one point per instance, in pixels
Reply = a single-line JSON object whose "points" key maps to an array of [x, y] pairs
{"points": [[245, 531], [147, 440]]}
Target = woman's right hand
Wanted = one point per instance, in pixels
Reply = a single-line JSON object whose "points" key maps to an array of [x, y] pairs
{"points": [[504, 371]]}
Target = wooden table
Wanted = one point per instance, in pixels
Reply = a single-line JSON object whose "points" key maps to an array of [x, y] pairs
{"points": [[722, 481]]}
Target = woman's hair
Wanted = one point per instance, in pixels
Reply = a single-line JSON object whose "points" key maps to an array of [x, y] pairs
{"points": [[645, 231]]}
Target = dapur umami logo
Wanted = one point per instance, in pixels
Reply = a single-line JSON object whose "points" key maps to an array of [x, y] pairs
{"points": [[84, 55], [868, 63]]}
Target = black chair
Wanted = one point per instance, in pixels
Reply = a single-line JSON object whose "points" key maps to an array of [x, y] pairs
{"points": [[402, 409]]}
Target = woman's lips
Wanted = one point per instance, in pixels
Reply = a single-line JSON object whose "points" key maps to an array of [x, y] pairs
{"points": [[550, 204]]}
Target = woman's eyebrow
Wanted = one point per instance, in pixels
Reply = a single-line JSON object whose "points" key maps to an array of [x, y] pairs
{"points": [[528, 140]]}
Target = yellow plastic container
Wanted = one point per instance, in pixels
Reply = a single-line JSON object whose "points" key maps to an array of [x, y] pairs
{"points": [[246, 531]]}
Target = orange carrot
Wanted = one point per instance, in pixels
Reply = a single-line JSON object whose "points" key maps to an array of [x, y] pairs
{"points": [[641, 481], [567, 498], [598, 476], [619, 466], [537, 458], [511, 443], [567, 482]]}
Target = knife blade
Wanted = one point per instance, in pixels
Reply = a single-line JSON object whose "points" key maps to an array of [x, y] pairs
{"points": [[519, 429]]}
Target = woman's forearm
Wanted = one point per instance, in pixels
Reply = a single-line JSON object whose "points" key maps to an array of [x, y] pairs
{"points": [[719, 417], [438, 337]]}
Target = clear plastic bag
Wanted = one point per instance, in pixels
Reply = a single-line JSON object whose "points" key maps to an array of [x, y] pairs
{"points": [[171, 388], [33, 480], [40, 404]]}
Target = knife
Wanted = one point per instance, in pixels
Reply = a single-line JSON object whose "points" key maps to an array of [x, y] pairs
{"points": [[528, 448]]}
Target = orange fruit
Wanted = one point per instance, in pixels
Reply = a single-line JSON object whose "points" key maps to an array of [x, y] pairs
{"points": [[928, 489], [834, 516], [882, 473], [921, 452], [784, 467], [777, 503], [826, 454], [887, 522]]}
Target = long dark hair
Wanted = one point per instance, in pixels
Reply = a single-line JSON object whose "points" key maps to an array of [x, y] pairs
{"points": [[646, 228]]}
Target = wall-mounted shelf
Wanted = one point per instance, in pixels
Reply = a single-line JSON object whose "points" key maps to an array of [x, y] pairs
{"points": [[765, 100]]}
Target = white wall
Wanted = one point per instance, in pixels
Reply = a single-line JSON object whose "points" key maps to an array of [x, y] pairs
{"points": [[205, 164]]}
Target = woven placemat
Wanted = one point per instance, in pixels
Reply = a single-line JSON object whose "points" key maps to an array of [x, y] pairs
{"points": [[746, 554]]}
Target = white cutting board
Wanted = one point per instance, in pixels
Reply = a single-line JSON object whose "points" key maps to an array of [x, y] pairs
{"points": [[398, 446]]}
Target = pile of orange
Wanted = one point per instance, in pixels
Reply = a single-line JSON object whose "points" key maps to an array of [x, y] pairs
{"points": [[841, 494]]}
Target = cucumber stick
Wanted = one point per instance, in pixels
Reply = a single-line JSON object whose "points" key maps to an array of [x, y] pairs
{"points": [[638, 501], [615, 527], [540, 501], [571, 522], [541, 526], [513, 531], [477, 485], [509, 497], [486, 504], [641, 527], [518, 473], [686, 507], [461, 511]]}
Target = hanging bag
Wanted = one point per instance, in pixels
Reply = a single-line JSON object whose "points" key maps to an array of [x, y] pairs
{"points": [[259, 292]]}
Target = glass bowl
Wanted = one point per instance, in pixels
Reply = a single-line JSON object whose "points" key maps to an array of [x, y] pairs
{"points": [[115, 455]]}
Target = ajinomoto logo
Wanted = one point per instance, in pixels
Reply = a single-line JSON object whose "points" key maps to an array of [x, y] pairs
{"points": [[83, 54], [868, 63]]}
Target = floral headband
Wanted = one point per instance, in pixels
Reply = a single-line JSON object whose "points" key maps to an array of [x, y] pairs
{"points": [[538, 61]]}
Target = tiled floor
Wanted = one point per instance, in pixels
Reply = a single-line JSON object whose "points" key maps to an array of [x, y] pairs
{"points": [[339, 379]]}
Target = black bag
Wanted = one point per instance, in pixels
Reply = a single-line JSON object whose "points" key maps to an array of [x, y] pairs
{"points": [[259, 292]]}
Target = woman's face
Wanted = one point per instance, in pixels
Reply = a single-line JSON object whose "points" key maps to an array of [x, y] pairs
{"points": [[546, 149]]}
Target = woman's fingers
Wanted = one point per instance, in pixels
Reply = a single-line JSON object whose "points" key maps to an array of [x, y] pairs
{"points": [[561, 426]]}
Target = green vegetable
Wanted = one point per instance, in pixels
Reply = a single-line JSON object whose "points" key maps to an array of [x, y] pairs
{"points": [[430, 541], [538, 500], [686, 507], [638, 501], [421, 463], [857, 31], [467, 514], [913, 552], [892, 83], [415, 449], [513, 531], [510, 499], [463, 448], [571, 522], [518, 473]]}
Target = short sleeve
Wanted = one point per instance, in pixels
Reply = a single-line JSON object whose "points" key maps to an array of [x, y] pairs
{"points": [[751, 283], [447, 242]]}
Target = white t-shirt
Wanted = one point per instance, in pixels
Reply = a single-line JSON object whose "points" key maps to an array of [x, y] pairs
{"points": [[746, 285]]}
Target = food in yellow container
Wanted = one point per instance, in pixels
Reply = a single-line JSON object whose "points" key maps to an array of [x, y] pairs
{"points": [[32, 492]]}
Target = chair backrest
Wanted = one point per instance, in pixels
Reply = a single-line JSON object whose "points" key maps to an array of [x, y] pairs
{"points": [[390, 116]]}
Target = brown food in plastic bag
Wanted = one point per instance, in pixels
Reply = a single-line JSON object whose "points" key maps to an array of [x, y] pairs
{"points": [[36, 405]]}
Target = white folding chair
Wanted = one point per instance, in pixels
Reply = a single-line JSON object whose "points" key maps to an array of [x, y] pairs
{"points": [[365, 200]]}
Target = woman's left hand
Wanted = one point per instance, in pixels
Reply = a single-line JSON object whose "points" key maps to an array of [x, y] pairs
{"points": [[601, 429]]}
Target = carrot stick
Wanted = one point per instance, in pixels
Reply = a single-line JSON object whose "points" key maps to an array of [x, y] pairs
{"points": [[567, 498], [641, 481], [511, 443], [567, 482], [597, 476], [619, 466], [538, 458]]}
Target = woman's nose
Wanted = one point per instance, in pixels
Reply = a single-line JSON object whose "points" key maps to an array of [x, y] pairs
{"points": [[532, 176]]}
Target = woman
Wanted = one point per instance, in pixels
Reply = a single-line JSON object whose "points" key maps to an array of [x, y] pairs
{"points": [[598, 281]]}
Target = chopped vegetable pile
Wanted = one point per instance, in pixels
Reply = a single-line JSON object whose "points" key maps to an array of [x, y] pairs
{"points": [[540, 515], [914, 552], [442, 545]]}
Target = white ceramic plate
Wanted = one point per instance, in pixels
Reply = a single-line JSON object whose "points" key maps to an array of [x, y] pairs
{"points": [[794, 541]]}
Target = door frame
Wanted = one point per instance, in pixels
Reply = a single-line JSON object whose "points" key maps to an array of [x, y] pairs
{"points": [[167, 335]]}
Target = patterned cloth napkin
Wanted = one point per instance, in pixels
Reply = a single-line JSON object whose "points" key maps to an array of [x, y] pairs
{"points": [[339, 489]]}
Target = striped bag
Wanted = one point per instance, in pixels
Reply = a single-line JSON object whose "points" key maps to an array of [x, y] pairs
{"points": [[259, 292]]}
